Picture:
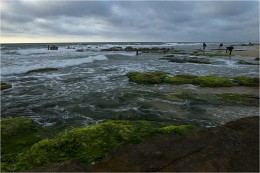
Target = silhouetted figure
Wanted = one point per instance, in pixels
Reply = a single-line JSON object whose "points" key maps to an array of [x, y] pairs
{"points": [[48, 47], [220, 46], [230, 48], [136, 52], [204, 46]]}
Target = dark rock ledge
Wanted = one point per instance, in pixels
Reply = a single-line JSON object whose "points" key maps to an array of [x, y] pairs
{"points": [[233, 147]]}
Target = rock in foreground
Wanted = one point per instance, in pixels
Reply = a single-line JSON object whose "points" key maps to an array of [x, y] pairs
{"points": [[231, 147]]}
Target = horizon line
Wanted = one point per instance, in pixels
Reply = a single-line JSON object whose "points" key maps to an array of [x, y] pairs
{"points": [[257, 42]]}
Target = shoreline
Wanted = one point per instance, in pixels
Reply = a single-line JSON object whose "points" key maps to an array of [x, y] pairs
{"points": [[250, 51]]}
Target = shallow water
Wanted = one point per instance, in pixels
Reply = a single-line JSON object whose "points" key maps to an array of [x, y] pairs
{"points": [[92, 86]]}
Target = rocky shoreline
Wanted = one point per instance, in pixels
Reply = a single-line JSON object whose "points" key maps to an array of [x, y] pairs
{"points": [[233, 147]]}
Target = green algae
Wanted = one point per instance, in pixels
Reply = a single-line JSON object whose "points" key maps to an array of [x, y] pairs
{"points": [[181, 79], [219, 99], [17, 135], [204, 81], [196, 60], [243, 99], [159, 77], [182, 129], [154, 77], [210, 54], [247, 81], [213, 54], [213, 81], [88, 144]]}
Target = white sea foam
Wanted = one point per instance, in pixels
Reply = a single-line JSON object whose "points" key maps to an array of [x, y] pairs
{"points": [[24, 67]]}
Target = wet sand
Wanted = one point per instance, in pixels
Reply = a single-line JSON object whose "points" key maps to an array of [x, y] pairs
{"points": [[248, 51]]}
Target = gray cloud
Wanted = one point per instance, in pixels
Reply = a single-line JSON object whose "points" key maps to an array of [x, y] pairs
{"points": [[133, 21]]}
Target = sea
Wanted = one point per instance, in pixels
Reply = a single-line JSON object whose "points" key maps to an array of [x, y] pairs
{"points": [[90, 86]]}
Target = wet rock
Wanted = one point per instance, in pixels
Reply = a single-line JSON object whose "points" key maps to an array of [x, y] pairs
{"points": [[233, 147], [246, 63], [171, 58], [42, 70], [155, 77], [113, 49], [5, 86]]}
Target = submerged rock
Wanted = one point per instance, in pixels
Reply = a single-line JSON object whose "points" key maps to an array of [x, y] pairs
{"points": [[5, 86], [246, 63], [171, 58], [42, 70]]}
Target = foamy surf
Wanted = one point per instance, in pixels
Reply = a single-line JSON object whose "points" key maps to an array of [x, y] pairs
{"points": [[18, 68]]}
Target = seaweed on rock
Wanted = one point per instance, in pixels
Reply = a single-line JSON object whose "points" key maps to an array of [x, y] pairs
{"points": [[204, 81], [88, 144], [155, 77], [246, 81], [158, 77]]}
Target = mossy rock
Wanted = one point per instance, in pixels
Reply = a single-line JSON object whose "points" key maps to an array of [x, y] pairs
{"points": [[204, 81], [244, 99], [219, 99], [181, 79], [93, 143], [43, 70], [246, 81], [158, 77], [191, 97], [210, 54], [246, 63], [199, 61], [187, 60], [182, 129], [213, 81], [213, 54], [12, 126], [5, 86], [17, 135], [155, 77]]}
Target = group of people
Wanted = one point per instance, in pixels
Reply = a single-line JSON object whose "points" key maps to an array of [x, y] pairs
{"points": [[228, 49]]}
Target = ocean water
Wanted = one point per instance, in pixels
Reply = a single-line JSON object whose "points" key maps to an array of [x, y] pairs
{"points": [[91, 86]]}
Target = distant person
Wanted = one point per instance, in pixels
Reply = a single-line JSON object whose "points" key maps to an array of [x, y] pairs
{"points": [[204, 46], [230, 48], [48, 47], [220, 46], [136, 52]]}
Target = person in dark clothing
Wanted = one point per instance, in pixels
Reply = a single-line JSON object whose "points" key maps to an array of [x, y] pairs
{"points": [[220, 46], [48, 47], [230, 48], [136, 52], [204, 46]]}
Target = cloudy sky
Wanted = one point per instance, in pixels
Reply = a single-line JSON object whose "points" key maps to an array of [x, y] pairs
{"points": [[95, 21]]}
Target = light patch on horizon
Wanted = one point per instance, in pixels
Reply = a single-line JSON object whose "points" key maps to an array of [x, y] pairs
{"points": [[103, 21]]}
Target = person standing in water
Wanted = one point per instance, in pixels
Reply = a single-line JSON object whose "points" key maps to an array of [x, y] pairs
{"points": [[230, 48], [204, 46], [220, 46]]}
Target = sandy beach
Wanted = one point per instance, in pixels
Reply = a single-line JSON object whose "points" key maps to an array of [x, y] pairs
{"points": [[248, 51]]}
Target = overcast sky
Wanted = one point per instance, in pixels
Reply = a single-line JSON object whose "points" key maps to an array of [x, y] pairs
{"points": [[88, 21]]}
